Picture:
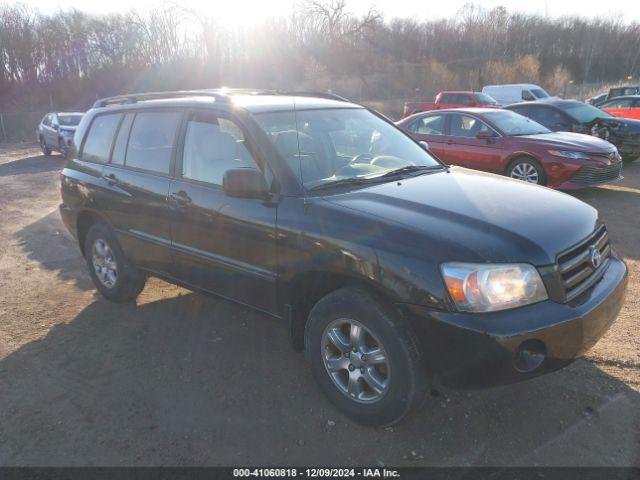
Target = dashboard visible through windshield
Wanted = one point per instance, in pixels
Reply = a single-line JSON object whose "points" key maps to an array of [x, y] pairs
{"points": [[336, 146]]}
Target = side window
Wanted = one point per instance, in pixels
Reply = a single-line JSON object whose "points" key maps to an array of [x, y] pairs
{"points": [[525, 111], [527, 96], [465, 99], [120, 147], [432, 125], [151, 141], [213, 145], [447, 98], [560, 119], [539, 114], [54, 120], [466, 126], [97, 144], [47, 120], [618, 103]]}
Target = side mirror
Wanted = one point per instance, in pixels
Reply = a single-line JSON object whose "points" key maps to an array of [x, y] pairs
{"points": [[484, 135], [245, 183], [56, 128], [424, 145]]}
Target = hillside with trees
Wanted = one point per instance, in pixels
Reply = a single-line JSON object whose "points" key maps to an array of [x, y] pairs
{"points": [[70, 57]]}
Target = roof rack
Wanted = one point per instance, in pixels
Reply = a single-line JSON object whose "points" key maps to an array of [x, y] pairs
{"points": [[220, 94], [267, 91], [326, 95], [138, 97]]}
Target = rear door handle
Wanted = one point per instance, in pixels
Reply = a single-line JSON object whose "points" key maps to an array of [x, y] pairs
{"points": [[110, 179], [181, 197]]}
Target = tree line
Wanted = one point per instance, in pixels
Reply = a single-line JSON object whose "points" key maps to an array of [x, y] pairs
{"points": [[73, 57]]}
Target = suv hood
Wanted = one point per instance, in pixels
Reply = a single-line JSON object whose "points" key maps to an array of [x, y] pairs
{"points": [[467, 215], [570, 141]]}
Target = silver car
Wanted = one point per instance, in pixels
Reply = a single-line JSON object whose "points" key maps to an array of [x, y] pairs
{"points": [[55, 131]]}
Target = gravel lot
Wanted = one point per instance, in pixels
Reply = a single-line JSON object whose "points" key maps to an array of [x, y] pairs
{"points": [[182, 379]]}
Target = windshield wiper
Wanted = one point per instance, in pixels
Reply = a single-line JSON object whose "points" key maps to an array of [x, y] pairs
{"points": [[344, 182], [411, 169]]}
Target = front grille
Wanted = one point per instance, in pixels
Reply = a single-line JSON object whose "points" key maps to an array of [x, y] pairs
{"points": [[591, 175], [577, 269]]}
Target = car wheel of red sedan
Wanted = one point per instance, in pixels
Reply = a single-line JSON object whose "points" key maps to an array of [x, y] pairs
{"points": [[528, 170]]}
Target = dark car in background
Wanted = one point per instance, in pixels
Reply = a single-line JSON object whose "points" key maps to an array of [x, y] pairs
{"points": [[574, 116], [388, 268], [55, 131], [506, 143], [623, 107], [613, 93]]}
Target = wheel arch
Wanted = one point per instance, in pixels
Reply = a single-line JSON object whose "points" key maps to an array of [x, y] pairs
{"points": [[520, 155], [84, 221], [305, 289]]}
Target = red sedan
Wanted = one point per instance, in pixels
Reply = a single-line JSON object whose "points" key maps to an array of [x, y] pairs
{"points": [[507, 143]]}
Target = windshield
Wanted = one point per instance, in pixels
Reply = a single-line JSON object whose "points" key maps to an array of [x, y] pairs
{"points": [[69, 120], [539, 93], [340, 145], [513, 124], [583, 112], [486, 99]]}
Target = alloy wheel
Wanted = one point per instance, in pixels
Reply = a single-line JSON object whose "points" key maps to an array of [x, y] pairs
{"points": [[526, 172], [104, 263], [355, 360]]}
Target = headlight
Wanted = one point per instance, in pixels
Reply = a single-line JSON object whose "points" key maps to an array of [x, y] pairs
{"points": [[480, 287], [569, 154]]}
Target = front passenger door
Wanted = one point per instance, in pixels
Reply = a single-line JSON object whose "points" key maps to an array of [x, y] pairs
{"points": [[221, 244]]}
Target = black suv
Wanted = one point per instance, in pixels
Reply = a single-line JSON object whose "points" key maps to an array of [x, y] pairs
{"points": [[390, 269]]}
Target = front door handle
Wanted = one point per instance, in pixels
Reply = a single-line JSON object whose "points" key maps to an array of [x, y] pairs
{"points": [[110, 179], [181, 197]]}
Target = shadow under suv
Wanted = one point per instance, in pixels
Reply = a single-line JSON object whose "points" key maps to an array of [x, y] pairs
{"points": [[390, 269]]}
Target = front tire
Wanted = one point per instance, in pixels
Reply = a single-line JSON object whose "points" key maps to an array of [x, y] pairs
{"points": [[43, 146], [528, 170], [365, 357], [113, 275]]}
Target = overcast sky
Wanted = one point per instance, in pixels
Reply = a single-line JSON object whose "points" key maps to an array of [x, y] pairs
{"points": [[247, 11]]}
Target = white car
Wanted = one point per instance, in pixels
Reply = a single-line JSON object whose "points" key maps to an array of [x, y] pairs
{"points": [[55, 131], [515, 93]]}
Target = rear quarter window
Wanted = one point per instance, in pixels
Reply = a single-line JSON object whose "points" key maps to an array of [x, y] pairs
{"points": [[99, 139]]}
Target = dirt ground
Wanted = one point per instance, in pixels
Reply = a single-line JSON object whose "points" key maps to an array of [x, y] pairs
{"points": [[183, 379]]}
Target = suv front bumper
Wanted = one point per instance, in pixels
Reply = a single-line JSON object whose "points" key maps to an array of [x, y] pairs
{"points": [[485, 349]]}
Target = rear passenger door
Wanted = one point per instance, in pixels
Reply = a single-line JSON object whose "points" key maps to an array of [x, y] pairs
{"points": [[221, 244], [430, 129], [136, 182]]}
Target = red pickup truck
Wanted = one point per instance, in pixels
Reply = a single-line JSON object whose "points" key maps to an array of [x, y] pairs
{"points": [[451, 100]]}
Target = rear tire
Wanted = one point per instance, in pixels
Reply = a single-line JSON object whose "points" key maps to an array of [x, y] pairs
{"points": [[113, 275], [43, 146], [528, 170], [375, 377]]}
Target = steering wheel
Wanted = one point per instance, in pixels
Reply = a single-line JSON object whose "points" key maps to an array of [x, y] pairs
{"points": [[361, 158], [389, 161]]}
